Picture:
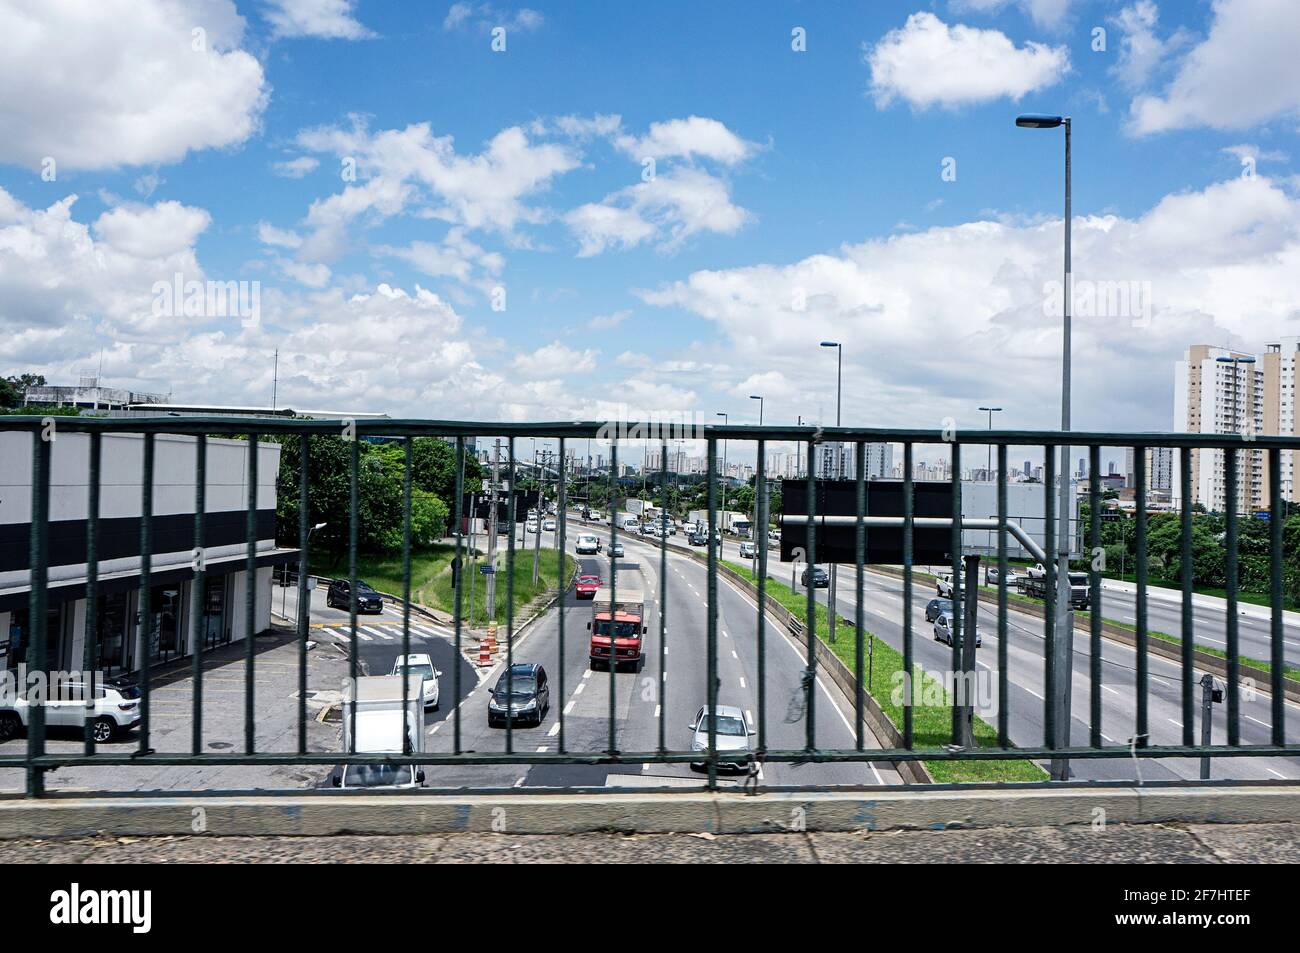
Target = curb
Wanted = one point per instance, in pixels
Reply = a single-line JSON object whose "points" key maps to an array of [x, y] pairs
{"points": [[323, 814]]}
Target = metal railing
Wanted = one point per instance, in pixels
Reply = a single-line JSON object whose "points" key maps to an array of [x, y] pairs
{"points": [[36, 759]]}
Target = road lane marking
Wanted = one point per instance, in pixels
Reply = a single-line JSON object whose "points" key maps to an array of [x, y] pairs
{"points": [[567, 708], [742, 681], [656, 711], [543, 748], [555, 728]]}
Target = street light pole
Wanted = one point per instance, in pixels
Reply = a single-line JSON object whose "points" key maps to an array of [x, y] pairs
{"points": [[988, 470], [1063, 655], [726, 420], [839, 473], [754, 521]]}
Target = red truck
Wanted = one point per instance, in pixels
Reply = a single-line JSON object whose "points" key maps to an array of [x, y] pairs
{"points": [[623, 621]]}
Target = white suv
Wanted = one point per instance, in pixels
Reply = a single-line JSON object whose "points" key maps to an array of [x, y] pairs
{"points": [[115, 710]]}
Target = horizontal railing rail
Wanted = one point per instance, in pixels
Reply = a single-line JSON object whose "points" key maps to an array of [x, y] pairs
{"points": [[703, 635]]}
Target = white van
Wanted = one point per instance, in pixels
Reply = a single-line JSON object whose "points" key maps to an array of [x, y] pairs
{"points": [[587, 544]]}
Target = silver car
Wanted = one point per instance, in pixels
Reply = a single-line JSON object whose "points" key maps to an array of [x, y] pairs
{"points": [[943, 631], [732, 737]]}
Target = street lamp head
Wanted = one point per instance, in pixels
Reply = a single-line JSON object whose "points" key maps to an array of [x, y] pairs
{"points": [[320, 525], [1235, 360], [1038, 121], [755, 397], [830, 343]]}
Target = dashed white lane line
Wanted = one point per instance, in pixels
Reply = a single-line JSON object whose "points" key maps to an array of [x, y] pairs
{"points": [[749, 716], [1257, 721], [734, 655], [656, 711], [587, 673], [1107, 688], [742, 681], [519, 783], [543, 747], [580, 688], [567, 708], [555, 729], [1176, 724]]}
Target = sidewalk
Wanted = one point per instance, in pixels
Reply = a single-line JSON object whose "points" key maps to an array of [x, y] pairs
{"points": [[171, 708], [1116, 844]]}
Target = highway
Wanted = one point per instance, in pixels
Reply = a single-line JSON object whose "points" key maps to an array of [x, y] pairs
{"points": [[582, 697]]}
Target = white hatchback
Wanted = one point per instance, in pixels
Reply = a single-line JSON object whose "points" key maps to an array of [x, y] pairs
{"points": [[421, 665]]}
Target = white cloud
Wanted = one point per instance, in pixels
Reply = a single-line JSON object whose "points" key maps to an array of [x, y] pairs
{"points": [[928, 63], [296, 168], [1046, 13], [484, 16], [147, 184], [268, 234], [327, 19], [398, 167], [1245, 72], [669, 208], [1142, 53], [555, 360], [57, 274], [83, 82], [604, 322], [687, 138], [1221, 262], [454, 257]]}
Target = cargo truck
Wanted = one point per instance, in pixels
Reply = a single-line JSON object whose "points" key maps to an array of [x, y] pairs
{"points": [[382, 727], [618, 617]]}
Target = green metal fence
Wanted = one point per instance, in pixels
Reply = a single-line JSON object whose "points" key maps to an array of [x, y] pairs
{"points": [[36, 760]]}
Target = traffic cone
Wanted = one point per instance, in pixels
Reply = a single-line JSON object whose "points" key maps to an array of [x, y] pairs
{"points": [[485, 654]]}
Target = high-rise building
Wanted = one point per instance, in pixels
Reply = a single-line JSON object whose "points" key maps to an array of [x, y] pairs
{"points": [[1220, 391]]}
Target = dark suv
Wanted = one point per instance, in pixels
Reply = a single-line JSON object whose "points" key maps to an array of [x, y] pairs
{"points": [[367, 599], [531, 699]]}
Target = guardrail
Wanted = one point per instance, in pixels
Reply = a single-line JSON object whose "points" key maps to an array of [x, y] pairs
{"points": [[1055, 745]]}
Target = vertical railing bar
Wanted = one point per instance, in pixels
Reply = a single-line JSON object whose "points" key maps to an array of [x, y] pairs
{"points": [[1277, 659], [143, 630], [304, 594], [662, 692], [1094, 593], [561, 508], [1143, 660], [90, 644], [1004, 698], [36, 648], [1049, 599], [408, 453], [613, 590], [760, 531], [958, 611], [860, 558], [1187, 569], [457, 605], [198, 587], [511, 510], [250, 597], [354, 504], [810, 565], [908, 662], [1230, 571], [711, 617]]}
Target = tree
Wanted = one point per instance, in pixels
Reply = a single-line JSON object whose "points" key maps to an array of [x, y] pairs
{"points": [[11, 388]]}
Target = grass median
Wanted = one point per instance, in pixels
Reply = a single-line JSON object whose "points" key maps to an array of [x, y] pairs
{"points": [[431, 578], [932, 712]]}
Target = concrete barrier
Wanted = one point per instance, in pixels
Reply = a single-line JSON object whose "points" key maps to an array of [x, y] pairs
{"points": [[327, 813]]}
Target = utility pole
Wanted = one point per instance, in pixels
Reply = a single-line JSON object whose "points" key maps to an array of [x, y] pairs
{"points": [[541, 497], [492, 536]]}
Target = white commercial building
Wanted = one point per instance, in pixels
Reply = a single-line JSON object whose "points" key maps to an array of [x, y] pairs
{"points": [[123, 610]]}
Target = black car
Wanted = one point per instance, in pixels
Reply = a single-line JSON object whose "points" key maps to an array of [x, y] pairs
{"points": [[531, 700], [820, 578], [937, 607], [367, 599]]}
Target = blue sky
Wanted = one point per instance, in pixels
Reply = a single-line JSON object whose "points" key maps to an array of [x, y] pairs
{"points": [[780, 175]]}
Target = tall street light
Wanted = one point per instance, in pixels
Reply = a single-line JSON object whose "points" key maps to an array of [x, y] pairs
{"points": [[725, 420], [1063, 655], [754, 521], [839, 474], [991, 412]]}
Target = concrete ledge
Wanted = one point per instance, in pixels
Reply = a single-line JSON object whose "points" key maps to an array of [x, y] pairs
{"points": [[885, 809]]}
